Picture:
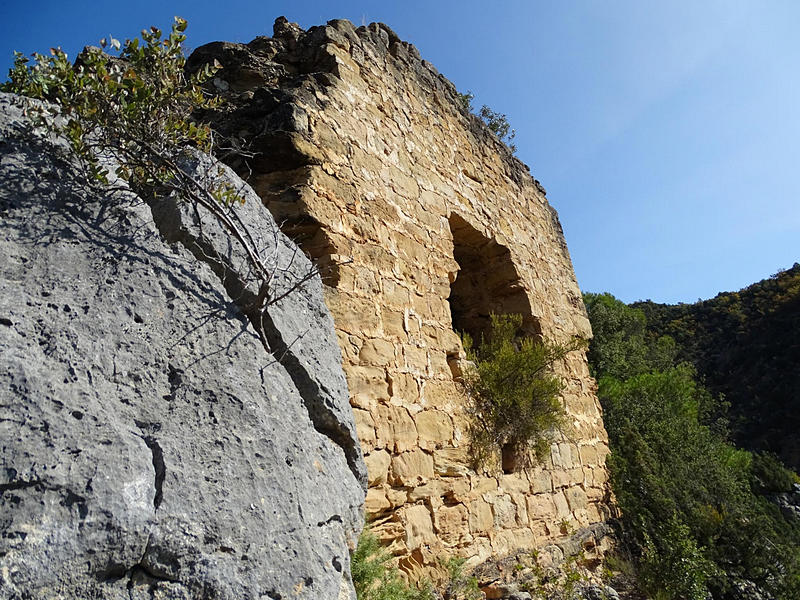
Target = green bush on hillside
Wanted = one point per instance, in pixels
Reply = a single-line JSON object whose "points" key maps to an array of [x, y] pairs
{"points": [[745, 345], [769, 474], [621, 346]]}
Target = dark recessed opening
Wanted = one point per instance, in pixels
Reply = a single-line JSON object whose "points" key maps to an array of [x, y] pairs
{"points": [[487, 282], [313, 240], [511, 458]]}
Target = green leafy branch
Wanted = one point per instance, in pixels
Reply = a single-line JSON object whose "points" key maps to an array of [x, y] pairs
{"points": [[126, 113], [499, 125]]}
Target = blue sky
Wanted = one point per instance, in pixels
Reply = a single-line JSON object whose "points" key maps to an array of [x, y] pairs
{"points": [[666, 133]]}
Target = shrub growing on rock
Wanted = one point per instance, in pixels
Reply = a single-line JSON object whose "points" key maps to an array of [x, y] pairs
{"points": [[135, 106], [128, 117]]}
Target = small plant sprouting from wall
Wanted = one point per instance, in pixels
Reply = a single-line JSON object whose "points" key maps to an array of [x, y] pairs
{"points": [[495, 121], [460, 585], [466, 101], [375, 578], [499, 125], [514, 397]]}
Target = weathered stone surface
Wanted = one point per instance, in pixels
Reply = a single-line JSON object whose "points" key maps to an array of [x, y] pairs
{"points": [[412, 468], [419, 526], [505, 512], [378, 466], [562, 506], [434, 427], [480, 516], [376, 501], [576, 498], [523, 570], [451, 523], [297, 325], [150, 446], [541, 506], [426, 223], [451, 462]]}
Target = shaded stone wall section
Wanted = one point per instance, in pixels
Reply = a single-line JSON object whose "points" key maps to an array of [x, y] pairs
{"points": [[487, 282], [400, 194]]}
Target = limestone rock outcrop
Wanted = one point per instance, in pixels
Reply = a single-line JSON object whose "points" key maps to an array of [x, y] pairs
{"points": [[423, 223], [149, 446]]}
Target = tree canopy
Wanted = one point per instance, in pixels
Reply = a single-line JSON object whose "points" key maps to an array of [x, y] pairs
{"points": [[695, 516], [746, 346]]}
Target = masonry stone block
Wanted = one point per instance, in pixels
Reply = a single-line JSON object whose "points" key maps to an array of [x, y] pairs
{"points": [[412, 468], [378, 466]]}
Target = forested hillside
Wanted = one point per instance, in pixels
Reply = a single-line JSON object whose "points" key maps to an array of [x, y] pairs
{"points": [[700, 516], [746, 346]]}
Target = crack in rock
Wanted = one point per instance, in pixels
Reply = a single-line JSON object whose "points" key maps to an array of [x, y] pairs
{"points": [[322, 417], [173, 225], [19, 485], [159, 467]]}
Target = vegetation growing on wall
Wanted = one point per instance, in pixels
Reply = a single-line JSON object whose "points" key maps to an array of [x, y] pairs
{"points": [[375, 578], [514, 395], [496, 122], [695, 517], [499, 125]]}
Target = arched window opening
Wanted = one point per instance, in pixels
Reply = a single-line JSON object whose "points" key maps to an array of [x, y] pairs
{"points": [[487, 282]]}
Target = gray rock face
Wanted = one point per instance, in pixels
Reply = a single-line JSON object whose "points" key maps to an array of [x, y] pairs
{"points": [[151, 448], [789, 503]]}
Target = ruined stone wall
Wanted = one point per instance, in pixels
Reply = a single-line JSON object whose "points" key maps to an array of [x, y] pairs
{"points": [[424, 224]]}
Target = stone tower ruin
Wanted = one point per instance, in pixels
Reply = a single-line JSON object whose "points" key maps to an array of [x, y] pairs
{"points": [[423, 223]]}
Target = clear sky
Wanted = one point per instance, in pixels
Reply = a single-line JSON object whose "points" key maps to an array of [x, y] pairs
{"points": [[667, 134]]}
